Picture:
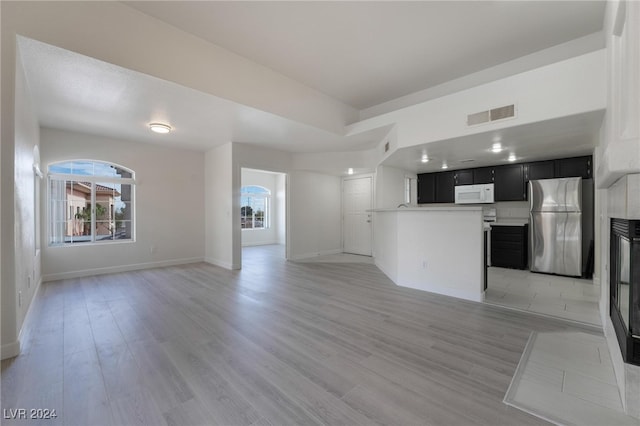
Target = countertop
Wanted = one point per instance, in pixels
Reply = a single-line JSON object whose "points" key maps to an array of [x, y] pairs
{"points": [[510, 222], [429, 209]]}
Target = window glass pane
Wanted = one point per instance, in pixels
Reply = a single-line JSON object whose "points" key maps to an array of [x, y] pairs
{"points": [[61, 168], [254, 207], [624, 263], [70, 211], [90, 168], [84, 168], [74, 218]]}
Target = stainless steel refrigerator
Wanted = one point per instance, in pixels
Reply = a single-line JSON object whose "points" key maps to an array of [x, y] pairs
{"points": [[557, 220]]}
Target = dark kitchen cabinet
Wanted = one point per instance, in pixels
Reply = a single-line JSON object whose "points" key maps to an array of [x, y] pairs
{"points": [[509, 246], [426, 188], [444, 187], [483, 175], [463, 177], [510, 180], [574, 167], [540, 170], [509, 183]]}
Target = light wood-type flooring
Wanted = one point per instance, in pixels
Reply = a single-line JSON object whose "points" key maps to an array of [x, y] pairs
{"points": [[279, 343]]}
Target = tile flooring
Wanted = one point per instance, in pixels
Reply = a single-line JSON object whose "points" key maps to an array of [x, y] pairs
{"points": [[568, 378], [563, 297]]}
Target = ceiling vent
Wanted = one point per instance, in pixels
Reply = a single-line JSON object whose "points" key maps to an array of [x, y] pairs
{"points": [[495, 114]]}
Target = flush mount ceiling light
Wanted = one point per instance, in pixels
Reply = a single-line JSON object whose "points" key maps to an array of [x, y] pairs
{"points": [[160, 128], [512, 157], [350, 171], [444, 166], [424, 159], [497, 147]]}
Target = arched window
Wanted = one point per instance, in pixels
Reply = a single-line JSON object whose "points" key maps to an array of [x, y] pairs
{"points": [[255, 204], [90, 201]]}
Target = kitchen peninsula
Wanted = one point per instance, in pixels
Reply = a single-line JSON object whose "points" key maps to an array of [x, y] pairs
{"points": [[435, 249]]}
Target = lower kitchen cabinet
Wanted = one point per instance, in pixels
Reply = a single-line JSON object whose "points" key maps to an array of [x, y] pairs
{"points": [[509, 246]]}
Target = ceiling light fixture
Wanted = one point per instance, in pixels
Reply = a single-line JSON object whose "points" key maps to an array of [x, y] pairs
{"points": [[512, 157], [350, 171], [160, 128], [444, 166], [496, 148], [425, 159]]}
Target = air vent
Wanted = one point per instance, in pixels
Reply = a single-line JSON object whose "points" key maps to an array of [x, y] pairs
{"points": [[468, 160], [478, 118], [503, 112], [495, 114]]}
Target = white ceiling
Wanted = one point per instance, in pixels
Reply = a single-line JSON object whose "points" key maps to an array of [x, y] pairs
{"points": [[79, 93], [362, 53], [365, 53]]}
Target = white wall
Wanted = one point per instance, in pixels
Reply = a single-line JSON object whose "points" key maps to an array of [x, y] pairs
{"points": [[219, 207], [577, 85], [169, 207], [274, 182], [21, 263], [389, 187], [618, 162], [280, 202], [315, 215], [422, 248]]}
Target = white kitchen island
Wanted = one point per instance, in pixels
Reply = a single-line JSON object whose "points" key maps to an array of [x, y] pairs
{"points": [[435, 249]]}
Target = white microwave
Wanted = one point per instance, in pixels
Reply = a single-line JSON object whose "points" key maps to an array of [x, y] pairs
{"points": [[474, 194]]}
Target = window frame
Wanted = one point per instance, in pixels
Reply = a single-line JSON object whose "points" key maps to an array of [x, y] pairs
{"points": [[266, 196], [94, 180]]}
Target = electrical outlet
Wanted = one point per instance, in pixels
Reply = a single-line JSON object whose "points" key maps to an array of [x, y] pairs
{"points": [[424, 264]]}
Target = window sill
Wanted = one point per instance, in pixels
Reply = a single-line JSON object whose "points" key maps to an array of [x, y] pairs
{"points": [[92, 243]]}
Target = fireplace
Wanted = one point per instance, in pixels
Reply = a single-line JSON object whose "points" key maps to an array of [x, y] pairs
{"points": [[625, 286]]}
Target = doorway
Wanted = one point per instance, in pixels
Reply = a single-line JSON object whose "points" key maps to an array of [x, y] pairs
{"points": [[263, 209], [357, 202]]}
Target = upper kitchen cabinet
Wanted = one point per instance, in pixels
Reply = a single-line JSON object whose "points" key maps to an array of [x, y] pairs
{"points": [[426, 188], [539, 170], [445, 182], [509, 183], [463, 177], [574, 167], [483, 175]]}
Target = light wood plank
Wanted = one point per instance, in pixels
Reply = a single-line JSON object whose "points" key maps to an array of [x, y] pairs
{"points": [[275, 343]]}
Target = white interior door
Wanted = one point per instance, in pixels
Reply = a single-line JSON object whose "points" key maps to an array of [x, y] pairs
{"points": [[356, 200]]}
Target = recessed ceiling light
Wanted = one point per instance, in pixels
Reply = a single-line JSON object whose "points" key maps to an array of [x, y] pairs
{"points": [[512, 157], [425, 159], [350, 171], [160, 128], [496, 148], [444, 166]]}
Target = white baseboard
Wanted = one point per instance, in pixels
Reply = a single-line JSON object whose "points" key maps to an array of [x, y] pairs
{"points": [[447, 291], [119, 268], [10, 350], [222, 263], [316, 254]]}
